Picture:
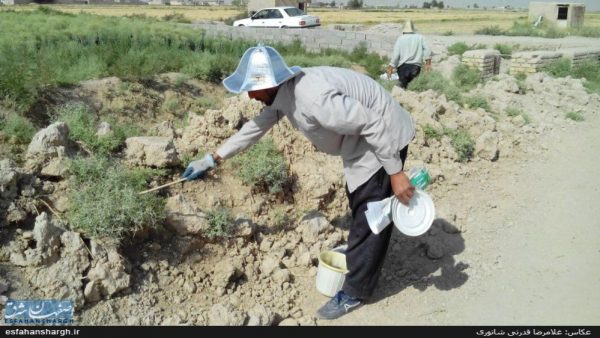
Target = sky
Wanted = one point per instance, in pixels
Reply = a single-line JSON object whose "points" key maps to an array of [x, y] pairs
{"points": [[590, 5]]}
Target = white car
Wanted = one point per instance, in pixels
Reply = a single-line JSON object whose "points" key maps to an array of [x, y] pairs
{"points": [[279, 17]]}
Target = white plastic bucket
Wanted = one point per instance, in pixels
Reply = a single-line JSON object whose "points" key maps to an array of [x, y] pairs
{"points": [[331, 272]]}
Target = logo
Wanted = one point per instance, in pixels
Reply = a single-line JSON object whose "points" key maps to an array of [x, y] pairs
{"points": [[20, 312]]}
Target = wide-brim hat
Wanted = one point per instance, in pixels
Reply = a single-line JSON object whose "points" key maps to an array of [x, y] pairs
{"points": [[408, 27], [261, 67]]}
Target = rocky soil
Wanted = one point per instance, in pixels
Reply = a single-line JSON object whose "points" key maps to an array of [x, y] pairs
{"points": [[265, 273]]}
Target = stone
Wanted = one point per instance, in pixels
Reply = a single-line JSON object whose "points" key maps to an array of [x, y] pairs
{"points": [[260, 315], [225, 315], [486, 146], [312, 225], [151, 151], [185, 218]]}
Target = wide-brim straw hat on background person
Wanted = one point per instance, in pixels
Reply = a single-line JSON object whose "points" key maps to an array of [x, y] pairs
{"points": [[408, 27]]}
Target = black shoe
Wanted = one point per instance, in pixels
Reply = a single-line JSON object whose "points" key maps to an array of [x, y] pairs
{"points": [[338, 306]]}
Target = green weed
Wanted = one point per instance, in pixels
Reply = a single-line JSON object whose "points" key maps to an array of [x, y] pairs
{"points": [[220, 223], [104, 199], [262, 167], [462, 142], [575, 116]]}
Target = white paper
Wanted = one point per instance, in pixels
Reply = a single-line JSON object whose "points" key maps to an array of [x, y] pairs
{"points": [[379, 214]]}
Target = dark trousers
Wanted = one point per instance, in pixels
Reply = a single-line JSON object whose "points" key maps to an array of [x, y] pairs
{"points": [[366, 251], [406, 73]]}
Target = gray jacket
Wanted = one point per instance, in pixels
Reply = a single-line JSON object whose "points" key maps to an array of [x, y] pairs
{"points": [[411, 49], [341, 112]]}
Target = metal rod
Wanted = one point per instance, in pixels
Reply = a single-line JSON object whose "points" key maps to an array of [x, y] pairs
{"points": [[162, 186]]}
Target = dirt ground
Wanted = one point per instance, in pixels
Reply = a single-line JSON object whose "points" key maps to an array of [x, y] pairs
{"points": [[531, 248]]}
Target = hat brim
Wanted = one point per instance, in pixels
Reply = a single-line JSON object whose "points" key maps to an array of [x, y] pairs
{"points": [[235, 82]]}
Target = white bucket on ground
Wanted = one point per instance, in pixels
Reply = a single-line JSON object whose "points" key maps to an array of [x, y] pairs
{"points": [[331, 272]]}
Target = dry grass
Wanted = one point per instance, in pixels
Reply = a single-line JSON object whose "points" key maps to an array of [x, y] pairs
{"points": [[457, 21]]}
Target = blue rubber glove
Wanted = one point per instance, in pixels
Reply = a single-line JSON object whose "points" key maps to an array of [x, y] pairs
{"points": [[197, 169]]}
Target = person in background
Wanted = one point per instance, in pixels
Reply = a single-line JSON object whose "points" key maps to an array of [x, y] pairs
{"points": [[410, 51], [343, 113]]}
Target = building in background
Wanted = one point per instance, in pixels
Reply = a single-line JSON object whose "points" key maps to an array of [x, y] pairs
{"points": [[565, 15]]}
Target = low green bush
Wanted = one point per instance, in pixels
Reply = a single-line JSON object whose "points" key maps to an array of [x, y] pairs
{"points": [[478, 101], [431, 133], [490, 30], [559, 68], [462, 142], [221, 223], [176, 17], [466, 77], [514, 111], [280, 218], [83, 125], [372, 62], [436, 81], [505, 50], [262, 167], [458, 48], [575, 116], [103, 199], [588, 70], [17, 128]]}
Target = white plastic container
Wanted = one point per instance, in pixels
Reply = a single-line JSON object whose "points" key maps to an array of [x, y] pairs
{"points": [[416, 218], [331, 272]]}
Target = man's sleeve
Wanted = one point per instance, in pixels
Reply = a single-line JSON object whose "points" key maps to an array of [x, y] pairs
{"points": [[250, 133], [347, 116], [426, 50], [395, 54]]}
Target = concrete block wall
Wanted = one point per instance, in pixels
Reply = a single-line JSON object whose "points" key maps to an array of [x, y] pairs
{"points": [[312, 39], [579, 55], [532, 62], [487, 61]]}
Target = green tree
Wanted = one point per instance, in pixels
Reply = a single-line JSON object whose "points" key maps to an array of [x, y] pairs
{"points": [[354, 4]]}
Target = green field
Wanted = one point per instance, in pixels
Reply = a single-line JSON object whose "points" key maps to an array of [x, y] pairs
{"points": [[429, 21]]}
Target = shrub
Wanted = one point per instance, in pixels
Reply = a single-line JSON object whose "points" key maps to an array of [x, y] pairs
{"points": [[262, 167], [371, 61], [575, 116], [171, 105], [513, 111], [559, 68], [431, 133], [220, 223], [280, 218], [458, 48], [104, 199], [462, 143], [478, 102], [466, 77], [435, 80], [176, 17], [587, 31], [505, 50], [19, 129], [83, 126], [589, 70], [490, 30], [208, 102]]}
